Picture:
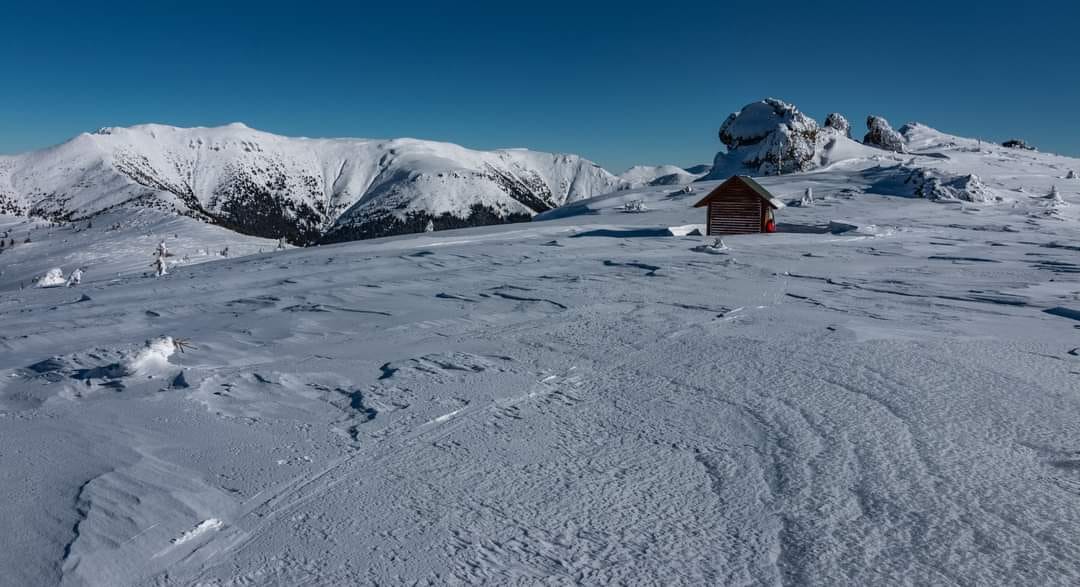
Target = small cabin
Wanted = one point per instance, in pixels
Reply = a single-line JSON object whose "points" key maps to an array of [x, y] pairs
{"points": [[739, 206]]}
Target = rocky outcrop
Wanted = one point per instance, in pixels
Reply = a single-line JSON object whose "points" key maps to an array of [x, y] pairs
{"points": [[771, 137], [839, 123], [1018, 144], [882, 135]]}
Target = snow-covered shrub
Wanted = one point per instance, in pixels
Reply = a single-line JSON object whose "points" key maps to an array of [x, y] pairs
{"points": [[882, 135], [634, 206], [53, 278], [838, 122]]}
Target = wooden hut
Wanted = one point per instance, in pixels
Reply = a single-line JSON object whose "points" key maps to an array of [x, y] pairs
{"points": [[739, 206]]}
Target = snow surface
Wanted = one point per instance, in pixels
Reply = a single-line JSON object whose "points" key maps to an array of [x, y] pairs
{"points": [[883, 392]]}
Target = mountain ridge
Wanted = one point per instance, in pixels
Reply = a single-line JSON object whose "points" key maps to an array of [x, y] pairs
{"points": [[304, 189]]}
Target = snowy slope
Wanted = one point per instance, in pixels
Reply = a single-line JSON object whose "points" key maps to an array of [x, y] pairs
{"points": [[643, 175], [305, 189], [883, 392]]}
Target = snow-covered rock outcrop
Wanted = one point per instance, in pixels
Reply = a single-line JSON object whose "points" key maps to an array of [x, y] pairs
{"points": [[772, 137], [882, 135], [307, 190], [839, 123], [1018, 144]]}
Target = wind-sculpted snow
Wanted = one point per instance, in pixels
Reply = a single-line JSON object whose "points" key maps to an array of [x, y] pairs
{"points": [[271, 186], [882, 392]]}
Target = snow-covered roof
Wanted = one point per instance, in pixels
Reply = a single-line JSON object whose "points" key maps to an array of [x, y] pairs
{"points": [[774, 202]]}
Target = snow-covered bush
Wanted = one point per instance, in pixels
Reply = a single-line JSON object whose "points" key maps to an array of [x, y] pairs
{"points": [[839, 123], [634, 206], [53, 278], [882, 135]]}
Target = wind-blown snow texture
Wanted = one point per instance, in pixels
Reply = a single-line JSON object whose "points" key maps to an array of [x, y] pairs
{"points": [[303, 189], [884, 392]]}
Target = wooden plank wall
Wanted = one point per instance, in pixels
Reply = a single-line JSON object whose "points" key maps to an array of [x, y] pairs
{"points": [[738, 210]]}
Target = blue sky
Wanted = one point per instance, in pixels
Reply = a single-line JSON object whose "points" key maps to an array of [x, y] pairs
{"points": [[616, 82]]}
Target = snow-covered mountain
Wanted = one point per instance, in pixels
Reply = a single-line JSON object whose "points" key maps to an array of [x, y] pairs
{"points": [[654, 175], [307, 190]]}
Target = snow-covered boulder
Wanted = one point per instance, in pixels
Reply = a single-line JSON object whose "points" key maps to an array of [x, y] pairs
{"points": [[838, 122], [771, 137], [53, 278], [881, 134], [936, 185]]}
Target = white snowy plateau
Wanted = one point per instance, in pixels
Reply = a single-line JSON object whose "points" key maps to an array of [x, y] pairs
{"points": [[885, 391]]}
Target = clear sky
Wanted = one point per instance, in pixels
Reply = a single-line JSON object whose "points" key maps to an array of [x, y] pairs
{"points": [[616, 82]]}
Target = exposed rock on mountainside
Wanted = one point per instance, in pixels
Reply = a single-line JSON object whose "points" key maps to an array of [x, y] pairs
{"points": [[306, 190], [839, 123], [1018, 144], [772, 137], [881, 135]]}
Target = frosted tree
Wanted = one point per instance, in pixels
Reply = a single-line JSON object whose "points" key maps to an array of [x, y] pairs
{"points": [[75, 278], [160, 265], [430, 226], [808, 197]]}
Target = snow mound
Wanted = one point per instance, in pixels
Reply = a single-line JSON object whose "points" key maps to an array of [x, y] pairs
{"points": [[687, 230], [940, 186], [53, 278], [881, 134], [153, 358]]}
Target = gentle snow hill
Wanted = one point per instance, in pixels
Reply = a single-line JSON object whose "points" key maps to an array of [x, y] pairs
{"points": [[643, 175], [575, 400], [307, 190]]}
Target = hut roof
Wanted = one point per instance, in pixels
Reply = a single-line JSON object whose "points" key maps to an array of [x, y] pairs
{"points": [[774, 202]]}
